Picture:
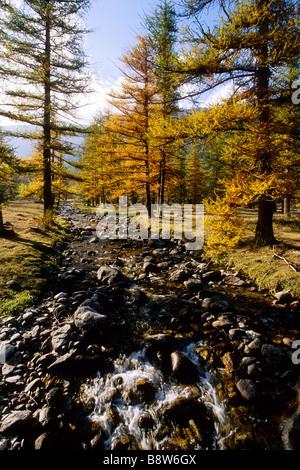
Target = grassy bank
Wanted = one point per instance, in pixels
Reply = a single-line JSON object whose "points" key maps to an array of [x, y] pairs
{"points": [[263, 264], [27, 254]]}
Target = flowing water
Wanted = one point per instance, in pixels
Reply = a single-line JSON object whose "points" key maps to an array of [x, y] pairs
{"points": [[135, 405], [122, 413]]}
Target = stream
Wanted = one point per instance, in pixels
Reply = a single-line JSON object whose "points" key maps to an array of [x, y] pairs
{"points": [[141, 345]]}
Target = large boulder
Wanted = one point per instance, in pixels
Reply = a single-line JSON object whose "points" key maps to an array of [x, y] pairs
{"points": [[17, 423], [89, 321], [180, 275], [184, 370], [158, 350], [112, 277]]}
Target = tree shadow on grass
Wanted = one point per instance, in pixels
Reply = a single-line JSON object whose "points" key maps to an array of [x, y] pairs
{"points": [[37, 245]]}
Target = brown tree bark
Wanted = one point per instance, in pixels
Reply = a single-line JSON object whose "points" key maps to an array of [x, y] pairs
{"points": [[264, 234], [48, 198]]}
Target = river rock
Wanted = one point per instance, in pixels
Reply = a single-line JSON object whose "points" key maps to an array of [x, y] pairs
{"points": [[248, 389], [89, 321], [45, 415], [112, 276], [222, 322], [228, 362], [7, 350], [146, 421], [274, 358], [193, 284], [214, 276], [295, 306], [234, 281], [215, 305], [61, 336], [63, 362], [236, 333], [291, 432], [183, 369], [161, 342], [283, 296], [180, 275], [182, 409], [253, 346], [17, 423], [33, 385], [158, 350], [146, 390], [150, 267]]}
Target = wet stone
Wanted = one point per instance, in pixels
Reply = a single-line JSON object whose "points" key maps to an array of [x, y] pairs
{"points": [[146, 390], [248, 389], [274, 358], [183, 369]]}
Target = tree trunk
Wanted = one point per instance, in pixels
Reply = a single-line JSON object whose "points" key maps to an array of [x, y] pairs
{"points": [[1, 221], [48, 198], [264, 235], [286, 207], [162, 176], [147, 186]]}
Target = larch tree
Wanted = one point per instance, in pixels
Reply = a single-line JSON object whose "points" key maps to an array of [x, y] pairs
{"points": [[135, 102], [162, 36], [42, 55], [64, 169], [195, 177], [253, 44], [99, 165]]}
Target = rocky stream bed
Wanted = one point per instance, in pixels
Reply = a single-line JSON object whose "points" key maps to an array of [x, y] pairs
{"points": [[143, 345]]}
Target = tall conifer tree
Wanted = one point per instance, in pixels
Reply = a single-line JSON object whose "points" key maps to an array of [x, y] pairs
{"points": [[162, 36], [42, 52]]}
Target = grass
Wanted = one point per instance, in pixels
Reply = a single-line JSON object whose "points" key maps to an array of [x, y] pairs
{"points": [[266, 270], [27, 254]]}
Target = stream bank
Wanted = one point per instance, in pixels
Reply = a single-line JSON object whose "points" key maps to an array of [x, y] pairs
{"points": [[142, 345]]}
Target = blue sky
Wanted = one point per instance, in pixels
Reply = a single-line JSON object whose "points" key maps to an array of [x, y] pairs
{"points": [[115, 25]]}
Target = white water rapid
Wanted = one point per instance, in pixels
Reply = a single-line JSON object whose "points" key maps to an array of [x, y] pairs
{"points": [[119, 410]]}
